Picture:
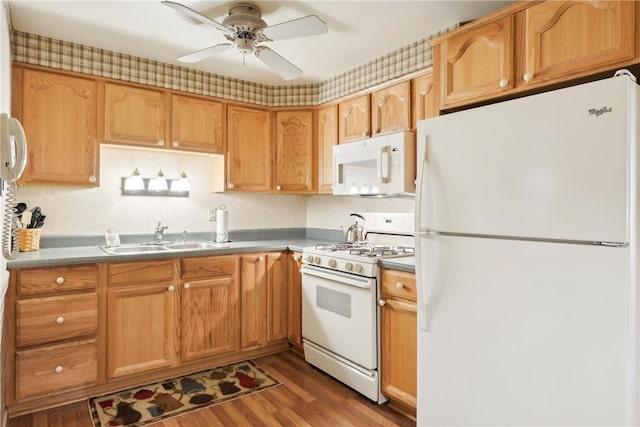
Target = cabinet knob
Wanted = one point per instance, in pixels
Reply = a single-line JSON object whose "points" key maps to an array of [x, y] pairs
{"points": [[278, 187], [261, 258], [187, 286], [58, 369], [171, 288], [364, 134], [60, 320], [60, 280], [230, 185], [381, 302], [161, 142], [175, 143], [503, 83], [92, 179], [399, 285], [527, 77]]}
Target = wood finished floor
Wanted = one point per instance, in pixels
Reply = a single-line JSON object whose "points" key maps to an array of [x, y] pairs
{"points": [[307, 397]]}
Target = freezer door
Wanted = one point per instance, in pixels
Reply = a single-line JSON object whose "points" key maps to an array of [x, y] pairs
{"points": [[525, 333], [550, 166]]}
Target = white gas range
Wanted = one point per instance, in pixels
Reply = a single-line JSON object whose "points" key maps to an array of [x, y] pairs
{"points": [[340, 312]]}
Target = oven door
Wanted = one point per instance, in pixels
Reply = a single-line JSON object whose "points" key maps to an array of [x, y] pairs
{"points": [[339, 314]]}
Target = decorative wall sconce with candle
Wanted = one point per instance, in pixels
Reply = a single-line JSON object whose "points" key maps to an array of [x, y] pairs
{"points": [[136, 185]]}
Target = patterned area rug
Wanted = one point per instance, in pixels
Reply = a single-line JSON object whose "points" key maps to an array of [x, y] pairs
{"points": [[153, 402]]}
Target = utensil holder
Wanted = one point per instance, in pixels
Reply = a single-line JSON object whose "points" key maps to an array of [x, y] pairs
{"points": [[29, 239]]}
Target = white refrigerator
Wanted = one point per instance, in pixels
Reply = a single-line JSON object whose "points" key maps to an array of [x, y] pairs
{"points": [[527, 261]]}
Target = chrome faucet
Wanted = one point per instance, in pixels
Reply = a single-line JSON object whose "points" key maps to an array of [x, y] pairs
{"points": [[183, 236], [157, 238]]}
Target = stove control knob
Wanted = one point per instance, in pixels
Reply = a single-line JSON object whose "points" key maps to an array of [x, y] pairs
{"points": [[316, 260], [332, 263], [357, 268], [348, 266], [309, 259]]}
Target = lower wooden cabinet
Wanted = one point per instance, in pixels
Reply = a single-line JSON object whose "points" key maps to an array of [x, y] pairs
{"points": [[294, 308], [398, 339]]}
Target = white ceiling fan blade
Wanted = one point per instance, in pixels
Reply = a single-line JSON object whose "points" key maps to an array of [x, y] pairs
{"points": [[277, 63], [196, 15], [301, 27], [205, 53]]}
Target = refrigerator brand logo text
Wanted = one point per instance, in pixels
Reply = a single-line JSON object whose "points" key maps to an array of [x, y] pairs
{"points": [[601, 111]]}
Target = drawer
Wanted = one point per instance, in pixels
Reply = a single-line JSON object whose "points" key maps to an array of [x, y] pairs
{"points": [[59, 279], [203, 267], [399, 283], [45, 320], [56, 368], [137, 273]]}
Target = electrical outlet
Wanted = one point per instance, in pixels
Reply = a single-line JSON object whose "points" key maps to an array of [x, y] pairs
{"points": [[212, 214]]}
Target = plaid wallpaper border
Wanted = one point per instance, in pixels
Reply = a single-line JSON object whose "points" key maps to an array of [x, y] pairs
{"points": [[47, 52]]}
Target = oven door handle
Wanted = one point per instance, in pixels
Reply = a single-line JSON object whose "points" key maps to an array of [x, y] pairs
{"points": [[347, 279]]}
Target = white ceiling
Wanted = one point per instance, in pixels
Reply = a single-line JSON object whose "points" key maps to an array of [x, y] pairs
{"points": [[359, 31]]}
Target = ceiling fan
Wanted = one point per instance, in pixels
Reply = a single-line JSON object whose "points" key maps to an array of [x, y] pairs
{"points": [[246, 31]]}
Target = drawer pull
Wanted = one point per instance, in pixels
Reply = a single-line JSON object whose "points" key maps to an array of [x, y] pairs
{"points": [[60, 320], [58, 369], [171, 288], [60, 280], [187, 286], [381, 303]]}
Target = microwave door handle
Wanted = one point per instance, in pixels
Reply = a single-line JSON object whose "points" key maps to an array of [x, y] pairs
{"points": [[384, 164]]}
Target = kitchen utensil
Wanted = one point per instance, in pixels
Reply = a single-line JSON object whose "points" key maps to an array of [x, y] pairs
{"points": [[40, 222], [36, 212], [355, 233], [26, 219], [20, 207]]}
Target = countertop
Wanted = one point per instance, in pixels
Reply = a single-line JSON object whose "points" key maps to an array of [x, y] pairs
{"points": [[405, 263]]}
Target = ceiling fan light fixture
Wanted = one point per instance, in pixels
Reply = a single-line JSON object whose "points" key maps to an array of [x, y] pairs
{"points": [[244, 46]]}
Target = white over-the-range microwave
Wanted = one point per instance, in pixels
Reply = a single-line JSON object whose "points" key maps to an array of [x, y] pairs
{"points": [[383, 165]]}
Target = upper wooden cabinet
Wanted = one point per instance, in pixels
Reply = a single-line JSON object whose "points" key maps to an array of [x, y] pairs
{"points": [[533, 44], [295, 169], [564, 38], [156, 118], [59, 116], [476, 63], [135, 116], [424, 103], [355, 119], [197, 124], [248, 149], [390, 108], [327, 129]]}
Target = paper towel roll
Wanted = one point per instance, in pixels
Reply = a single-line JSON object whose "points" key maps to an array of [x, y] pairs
{"points": [[222, 224]]}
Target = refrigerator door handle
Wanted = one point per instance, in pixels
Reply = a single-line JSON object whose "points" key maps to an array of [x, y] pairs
{"points": [[419, 186], [423, 323]]}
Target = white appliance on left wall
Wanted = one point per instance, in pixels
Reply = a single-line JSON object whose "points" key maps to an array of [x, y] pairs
{"points": [[13, 160]]}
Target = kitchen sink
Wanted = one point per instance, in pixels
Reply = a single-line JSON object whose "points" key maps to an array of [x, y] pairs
{"points": [[133, 249], [194, 245]]}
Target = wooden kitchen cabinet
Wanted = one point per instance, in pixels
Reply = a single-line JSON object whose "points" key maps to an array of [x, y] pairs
{"points": [[263, 299], [209, 308], [59, 115], [354, 119], [135, 116], [476, 63], [294, 304], [391, 108], [51, 331], [197, 124], [295, 167], [249, 151], [141, 317], [327, 131], [424, 102], [398, 340]]}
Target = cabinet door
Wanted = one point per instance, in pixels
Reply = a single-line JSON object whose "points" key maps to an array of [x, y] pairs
{"points": [[390, 109], [135, 116], [327, 128], [253, 323], [398, 341], [563, 38], [424, 103], [277, 291], [141, 329], [248, 149], [209, 318], [197, 125], [59, 116], [294, 151], [294, 307], [355, 119], [476, 64]]}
